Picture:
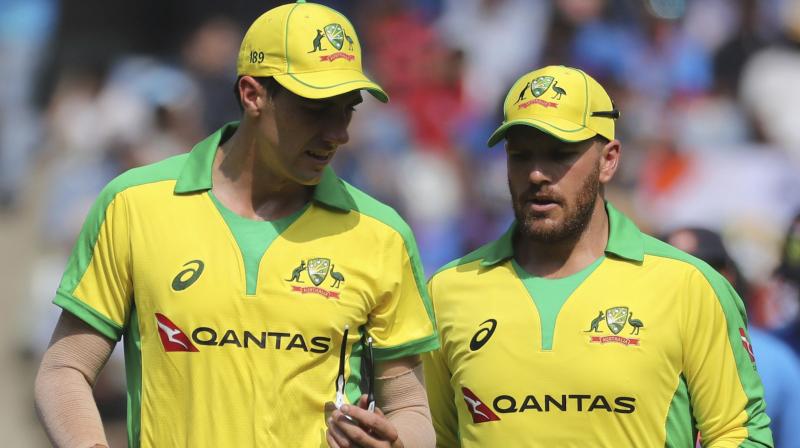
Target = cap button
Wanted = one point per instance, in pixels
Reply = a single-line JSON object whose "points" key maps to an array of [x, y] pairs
{"points": [[301, 1]]}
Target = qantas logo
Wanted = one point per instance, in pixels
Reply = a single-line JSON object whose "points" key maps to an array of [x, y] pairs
{"points": [[173, 339], [505, 404], [746, 344], [480, 412]]}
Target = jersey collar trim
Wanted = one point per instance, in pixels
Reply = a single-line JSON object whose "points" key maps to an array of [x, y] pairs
{"points": [[624, 240], [196, 173]]}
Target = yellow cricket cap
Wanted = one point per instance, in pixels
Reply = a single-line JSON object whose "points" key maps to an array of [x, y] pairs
{"points": [[310, 49], [562, 101]]}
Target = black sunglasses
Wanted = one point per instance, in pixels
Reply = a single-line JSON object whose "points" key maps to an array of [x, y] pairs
{"points": [[613, 114], [369, 366]]}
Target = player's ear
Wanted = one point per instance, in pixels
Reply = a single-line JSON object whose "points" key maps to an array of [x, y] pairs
{"points": [[609, 159], [253, 94]]}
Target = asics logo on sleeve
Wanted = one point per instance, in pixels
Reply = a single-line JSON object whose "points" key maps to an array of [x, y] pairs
{"points": [[188, 276], [480, 412], [483, 335], [172, 337]]}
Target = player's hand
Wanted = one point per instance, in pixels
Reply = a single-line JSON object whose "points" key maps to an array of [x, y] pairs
{"points": [[365, 430]]}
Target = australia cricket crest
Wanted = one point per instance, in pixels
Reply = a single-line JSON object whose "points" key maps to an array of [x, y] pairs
{"points": [[540, 85], [318, 269], [335, 34], [616, 318]]}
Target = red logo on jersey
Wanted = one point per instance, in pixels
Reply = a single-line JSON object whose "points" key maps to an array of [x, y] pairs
{"points": [[172, 337], [746, 345], [480, 412]]}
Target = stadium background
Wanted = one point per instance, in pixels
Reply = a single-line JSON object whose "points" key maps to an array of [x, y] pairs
{"points": [[707, 88]]}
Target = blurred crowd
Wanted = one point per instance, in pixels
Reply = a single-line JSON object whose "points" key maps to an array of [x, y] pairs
{"points": [[707, 90]]}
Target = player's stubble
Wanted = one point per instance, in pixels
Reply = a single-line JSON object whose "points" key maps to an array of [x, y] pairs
{"points": [[576, 215]]}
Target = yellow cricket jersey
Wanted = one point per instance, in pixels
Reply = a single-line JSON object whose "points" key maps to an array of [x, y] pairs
{"points": [[233, 329], [641, 349]]}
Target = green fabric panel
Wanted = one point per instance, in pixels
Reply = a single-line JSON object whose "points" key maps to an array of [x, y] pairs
{"points": [[502, 249], [196, 173], [101, 323], [331, 191], [133, 375], [550, 294], [679, 425], [423, 345], [352, 388], [254, 237], [82, 254], [733, 307], [488, 253], [624, 238], [387, 215]]}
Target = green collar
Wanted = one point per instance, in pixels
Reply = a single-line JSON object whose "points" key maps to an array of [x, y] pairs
{"points": [[624, 240], [196, 173]]}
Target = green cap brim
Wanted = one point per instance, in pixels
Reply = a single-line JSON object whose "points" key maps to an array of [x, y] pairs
{"points": [[329, 83]]}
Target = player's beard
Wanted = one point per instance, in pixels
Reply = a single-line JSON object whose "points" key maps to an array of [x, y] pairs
{"points": [[575, 216]]}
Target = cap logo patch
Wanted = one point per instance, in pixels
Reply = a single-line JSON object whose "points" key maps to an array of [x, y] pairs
{"points": [[537, 88], [336, 36], [540, 85]]}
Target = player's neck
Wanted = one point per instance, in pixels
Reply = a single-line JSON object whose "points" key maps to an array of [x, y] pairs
{"points": [[564, 258], [243, 183]]}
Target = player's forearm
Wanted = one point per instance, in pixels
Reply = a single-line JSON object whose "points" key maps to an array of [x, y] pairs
{"points": [[402, 397], [67, 409], [63, 388]]}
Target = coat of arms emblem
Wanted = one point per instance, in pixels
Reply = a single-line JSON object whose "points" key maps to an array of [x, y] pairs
{"points": [[318, 269], [335, 34], [540, 85], [616, 318]]}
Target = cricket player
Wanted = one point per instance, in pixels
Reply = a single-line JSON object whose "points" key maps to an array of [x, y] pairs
{"points": [[246, 280], [574, 328]]}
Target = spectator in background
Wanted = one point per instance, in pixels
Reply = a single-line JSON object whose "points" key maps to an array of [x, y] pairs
{"points": [[499, 38], [731, 57], [25, 30], [773, 73], [778, 366], [650, 55], [207, 57], [786, 287]]}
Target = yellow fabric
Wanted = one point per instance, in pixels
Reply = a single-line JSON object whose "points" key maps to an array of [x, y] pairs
{"points": [[112, 297], [262, 366], [558, 100], [627, 382], [310, 49]]}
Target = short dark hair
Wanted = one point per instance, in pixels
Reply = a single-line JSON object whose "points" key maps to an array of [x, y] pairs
{"points": [[600, 139], [268, 82]]}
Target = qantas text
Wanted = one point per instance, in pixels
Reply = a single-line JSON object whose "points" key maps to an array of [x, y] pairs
{"points": [[263, 339], [564, 403]]}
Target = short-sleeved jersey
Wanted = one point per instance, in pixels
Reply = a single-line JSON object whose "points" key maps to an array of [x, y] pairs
{"points": [[220, 351], [650, 346]]}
